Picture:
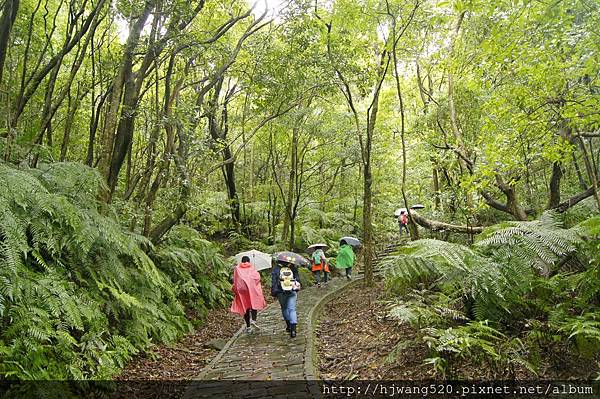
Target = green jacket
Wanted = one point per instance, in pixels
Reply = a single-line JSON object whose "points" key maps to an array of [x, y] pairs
{"points": [[345, 257]]}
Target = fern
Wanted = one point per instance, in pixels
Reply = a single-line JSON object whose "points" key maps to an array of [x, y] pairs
{"points": [[452, 268], [478, 342], [523, 288], [540, 243], [76, 289], [426, 308]]}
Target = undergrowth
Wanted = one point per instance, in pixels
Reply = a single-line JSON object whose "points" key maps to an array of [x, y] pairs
{"points": [[526, 294], [78, 294]]}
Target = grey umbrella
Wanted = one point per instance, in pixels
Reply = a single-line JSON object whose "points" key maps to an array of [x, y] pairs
{"points": [[352, 241], [291, 257]]}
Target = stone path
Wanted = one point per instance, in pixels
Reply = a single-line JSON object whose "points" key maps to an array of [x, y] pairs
{"points": [[268, 363], [269, 354]]}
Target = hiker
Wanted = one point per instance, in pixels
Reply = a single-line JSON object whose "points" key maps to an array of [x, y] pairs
{"points": [[285, 284], [345, 258], [249, 297], [319, 264], [403, 221]]}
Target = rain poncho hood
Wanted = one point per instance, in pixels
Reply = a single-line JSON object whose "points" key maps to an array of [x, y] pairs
{"points": [[345, 257], [247, 289]]}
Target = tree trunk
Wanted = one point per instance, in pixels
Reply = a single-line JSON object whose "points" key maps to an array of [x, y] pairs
{"points": [[461, 150], [367, 222], [229, 172], [590, 171], [47, 113], [555, 185], [96, 108], [32, 84], [367, 176], [414, 231], [441, 226], [512, 202], [9, 14], [287, 217], [563, 206], [106, 163], [184, 191], [436, 187], [72, 108]]}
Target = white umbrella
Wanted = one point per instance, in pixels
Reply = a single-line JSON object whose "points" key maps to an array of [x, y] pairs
{"points": [[259, 260], [314, 247], [399, 211], [417, 206]]}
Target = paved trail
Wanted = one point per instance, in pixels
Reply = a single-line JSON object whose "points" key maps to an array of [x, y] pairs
{"points": [[268, 363], [269, 354]]}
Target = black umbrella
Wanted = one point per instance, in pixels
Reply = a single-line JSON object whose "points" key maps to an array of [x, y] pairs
{"points": [[291, 257], [352, 241]]}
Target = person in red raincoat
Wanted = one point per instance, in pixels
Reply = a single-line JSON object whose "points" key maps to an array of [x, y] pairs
{"points": [[248, 293]]}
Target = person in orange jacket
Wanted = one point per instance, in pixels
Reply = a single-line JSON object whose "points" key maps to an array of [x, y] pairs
{"points": [[320, 264]]}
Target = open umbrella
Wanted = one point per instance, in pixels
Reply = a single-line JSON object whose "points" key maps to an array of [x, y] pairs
{"points": [[291, 257], [352, 241], [259, 260], [417, 206], [399, 211], [314, 247]]}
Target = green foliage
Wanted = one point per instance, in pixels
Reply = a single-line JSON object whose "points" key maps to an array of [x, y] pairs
{"points": [[78, 295], [196, 268], [324, 227], [306, 277], [478, 343], [504, 300], [424, 308], [450, 268], [539, 243]]}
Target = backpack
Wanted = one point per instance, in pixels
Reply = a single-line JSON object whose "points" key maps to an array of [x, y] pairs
{"points": [[286, 277], [317, 257]]}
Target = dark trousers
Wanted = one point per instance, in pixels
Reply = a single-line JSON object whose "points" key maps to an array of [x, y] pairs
{"points": [[405, 227], [317, 275], [249, 312]]}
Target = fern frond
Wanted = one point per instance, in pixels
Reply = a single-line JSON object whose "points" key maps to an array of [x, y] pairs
{"points": [[541, 242]]}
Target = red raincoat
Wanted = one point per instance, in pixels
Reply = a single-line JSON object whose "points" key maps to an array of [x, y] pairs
{"points": [[247, 289]]}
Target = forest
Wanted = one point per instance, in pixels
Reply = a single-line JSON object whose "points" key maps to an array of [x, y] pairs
{"points": [[143, 143]]}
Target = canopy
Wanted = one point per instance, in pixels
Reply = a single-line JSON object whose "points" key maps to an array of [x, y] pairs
{"points": [[259, 260], [352, 241]]}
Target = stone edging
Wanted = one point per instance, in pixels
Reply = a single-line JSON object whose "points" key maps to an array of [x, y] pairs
{"points": [[221, 353], [310, 369]]}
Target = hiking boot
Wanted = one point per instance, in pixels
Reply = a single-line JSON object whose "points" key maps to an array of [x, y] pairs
{"points": [[293, 330], [248, 330], [288, 328]]}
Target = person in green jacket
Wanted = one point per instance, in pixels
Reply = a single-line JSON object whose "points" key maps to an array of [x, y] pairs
{"points": [[345, 259]]}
